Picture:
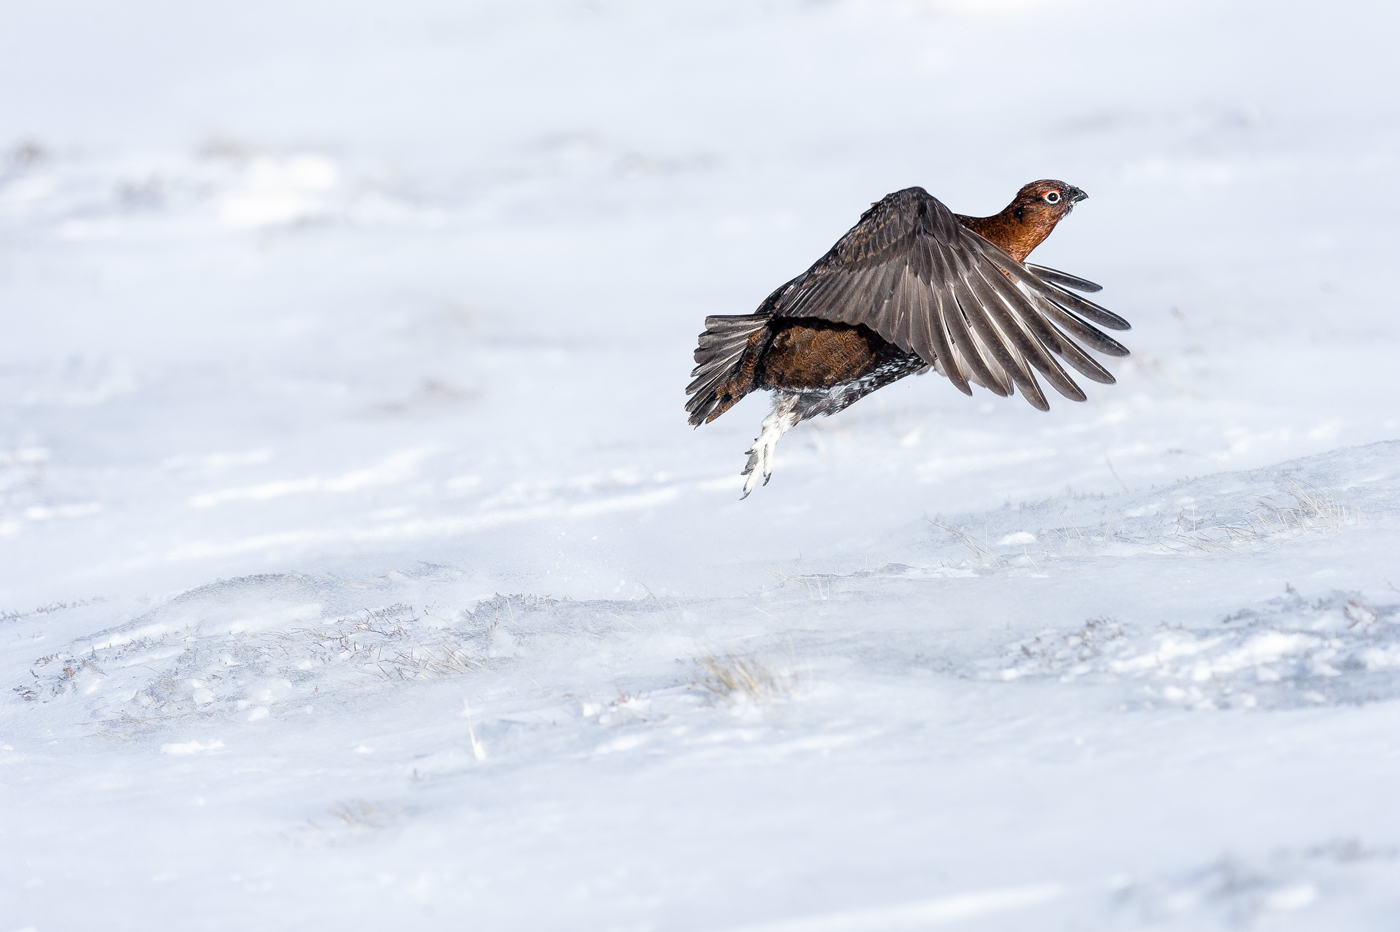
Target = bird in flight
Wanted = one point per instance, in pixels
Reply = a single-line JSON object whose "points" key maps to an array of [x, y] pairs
{"points": [[912, 286]]}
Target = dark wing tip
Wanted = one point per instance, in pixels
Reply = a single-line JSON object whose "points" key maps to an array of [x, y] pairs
{"points": [[1088, 309]]}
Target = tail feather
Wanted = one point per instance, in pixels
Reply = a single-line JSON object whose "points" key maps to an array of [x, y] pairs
{"points": [[725, 362]]}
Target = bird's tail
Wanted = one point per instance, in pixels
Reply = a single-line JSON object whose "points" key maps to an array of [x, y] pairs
{"points": [[726, 360]]}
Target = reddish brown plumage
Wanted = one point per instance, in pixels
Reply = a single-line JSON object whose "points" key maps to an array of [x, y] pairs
{"points": [[811, 353], [1024, 223], [904, 290]]}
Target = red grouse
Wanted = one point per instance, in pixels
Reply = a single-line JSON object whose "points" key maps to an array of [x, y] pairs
{"points": [[911, 286]]}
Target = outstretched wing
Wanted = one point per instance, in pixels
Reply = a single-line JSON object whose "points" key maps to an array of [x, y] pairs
{"points": [[910, 272]]}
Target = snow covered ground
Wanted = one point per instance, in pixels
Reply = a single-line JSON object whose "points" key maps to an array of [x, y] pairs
{"points": [[360, 570]]}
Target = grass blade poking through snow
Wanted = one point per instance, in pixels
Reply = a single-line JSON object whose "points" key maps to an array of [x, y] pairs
{"points": [[735, 678]]}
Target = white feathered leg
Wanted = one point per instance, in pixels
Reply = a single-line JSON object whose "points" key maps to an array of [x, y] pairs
{"points": [[761, 453]]}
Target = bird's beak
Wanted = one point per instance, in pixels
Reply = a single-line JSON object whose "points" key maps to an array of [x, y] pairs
{"points": [[1076, 195]]}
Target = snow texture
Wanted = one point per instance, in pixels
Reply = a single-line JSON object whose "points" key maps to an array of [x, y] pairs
{"points": [[360, 570]]}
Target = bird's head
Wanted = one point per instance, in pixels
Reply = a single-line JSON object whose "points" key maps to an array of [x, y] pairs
{"points": [[1024, 223], [1045, 202]]}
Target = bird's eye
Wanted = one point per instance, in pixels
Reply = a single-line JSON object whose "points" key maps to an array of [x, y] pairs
{"points": [[1052, 197]]}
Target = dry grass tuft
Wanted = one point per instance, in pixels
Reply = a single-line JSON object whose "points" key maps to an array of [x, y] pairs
{"points": [[362, 814], [982, 549], [731, 677], [818, 584], [1312, 509], [385, 643]]}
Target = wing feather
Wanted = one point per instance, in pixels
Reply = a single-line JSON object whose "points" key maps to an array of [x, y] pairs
{"points": [[1098, 341], [1029, 331], [956, 324], [904, 305], [1007, 354], [954, 364], [1082, 361], [857, 306], [988, 348], [1064, 278], [1086, 308], [939, 346]]}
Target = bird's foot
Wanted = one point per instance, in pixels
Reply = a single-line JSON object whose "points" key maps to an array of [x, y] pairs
{"points": [[761, 453]]}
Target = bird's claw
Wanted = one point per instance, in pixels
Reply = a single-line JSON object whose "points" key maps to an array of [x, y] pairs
{"points": [[761, 453]]}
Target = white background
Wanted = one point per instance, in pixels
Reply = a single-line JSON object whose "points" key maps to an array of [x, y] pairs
{"points": [[341, 382]]}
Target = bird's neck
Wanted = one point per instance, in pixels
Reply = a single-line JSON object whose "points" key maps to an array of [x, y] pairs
{"points": [[1015, 235]]}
